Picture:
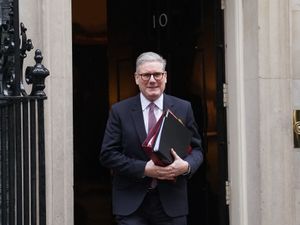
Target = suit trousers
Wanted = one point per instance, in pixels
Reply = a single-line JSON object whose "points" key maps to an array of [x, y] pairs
{"points": [[150, 212]]}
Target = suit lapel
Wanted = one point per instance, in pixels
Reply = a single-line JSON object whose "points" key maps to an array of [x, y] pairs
{"points": [[168, 104], [137, 117]]}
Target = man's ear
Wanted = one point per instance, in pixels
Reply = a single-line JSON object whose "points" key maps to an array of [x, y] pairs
{"points": [[136, 79]]}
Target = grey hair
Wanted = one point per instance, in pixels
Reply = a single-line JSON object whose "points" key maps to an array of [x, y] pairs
{"points": [[150, 57]]}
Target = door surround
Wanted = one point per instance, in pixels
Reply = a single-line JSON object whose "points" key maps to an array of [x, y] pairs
{"points": [[244, 196]]}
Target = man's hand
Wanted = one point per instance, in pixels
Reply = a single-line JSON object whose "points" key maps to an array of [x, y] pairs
{"points": [[158, 172], [170, 172], [179, 166]]}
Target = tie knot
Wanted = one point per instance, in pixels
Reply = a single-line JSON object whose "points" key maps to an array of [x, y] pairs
{"points": [[152, 106]]}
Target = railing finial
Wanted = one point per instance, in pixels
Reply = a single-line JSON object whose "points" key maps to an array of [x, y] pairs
{"points": [[36, 75]]}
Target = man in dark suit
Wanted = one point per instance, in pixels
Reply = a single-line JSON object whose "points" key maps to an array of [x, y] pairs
{"points": [[144, 193]]}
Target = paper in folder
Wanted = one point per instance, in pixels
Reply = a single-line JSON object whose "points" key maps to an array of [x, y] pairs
{"points": [[169, 132]]}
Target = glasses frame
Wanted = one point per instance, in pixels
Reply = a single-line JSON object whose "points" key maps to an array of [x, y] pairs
{"points": [[156, 75]]}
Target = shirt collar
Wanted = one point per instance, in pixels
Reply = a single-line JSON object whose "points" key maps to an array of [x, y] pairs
{"points": [[145, 102]]}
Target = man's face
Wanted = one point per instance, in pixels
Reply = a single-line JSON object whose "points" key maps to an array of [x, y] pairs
{"points": [[151, 79]]}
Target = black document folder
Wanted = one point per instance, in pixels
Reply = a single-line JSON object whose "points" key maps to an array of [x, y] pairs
{"points": [[169, 132]]}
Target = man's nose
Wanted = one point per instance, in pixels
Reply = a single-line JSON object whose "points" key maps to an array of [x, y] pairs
{"points": [[152, 79]]}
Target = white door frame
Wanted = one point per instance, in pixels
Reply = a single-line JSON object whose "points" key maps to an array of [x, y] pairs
{"points": [[236, 112]]}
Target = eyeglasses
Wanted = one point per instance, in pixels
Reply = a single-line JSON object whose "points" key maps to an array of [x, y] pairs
{"points": [[157, 76]]}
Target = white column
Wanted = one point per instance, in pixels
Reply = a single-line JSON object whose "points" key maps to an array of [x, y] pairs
{"points": [[49, 26], [260, 152], [243, 111], [275, 113]]}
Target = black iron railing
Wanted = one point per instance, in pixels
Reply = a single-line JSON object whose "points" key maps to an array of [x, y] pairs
{"points": [[22, 140]]}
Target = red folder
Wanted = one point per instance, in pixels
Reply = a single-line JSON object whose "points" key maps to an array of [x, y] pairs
{"points": [[169, 132]]}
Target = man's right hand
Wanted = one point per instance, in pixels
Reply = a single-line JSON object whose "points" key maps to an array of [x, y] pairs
{"points": [[159, 172]]}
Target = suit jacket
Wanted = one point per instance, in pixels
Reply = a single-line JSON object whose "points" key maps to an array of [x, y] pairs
{"points": [[122, 152]]}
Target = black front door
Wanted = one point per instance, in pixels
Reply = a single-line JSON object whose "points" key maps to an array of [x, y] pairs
{"points": [[188, 34]]}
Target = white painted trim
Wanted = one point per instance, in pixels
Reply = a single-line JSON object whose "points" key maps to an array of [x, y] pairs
{"points": [[234, 61]]}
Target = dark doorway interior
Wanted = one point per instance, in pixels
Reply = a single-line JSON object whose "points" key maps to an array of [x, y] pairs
{"points": [[189, 35]]}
